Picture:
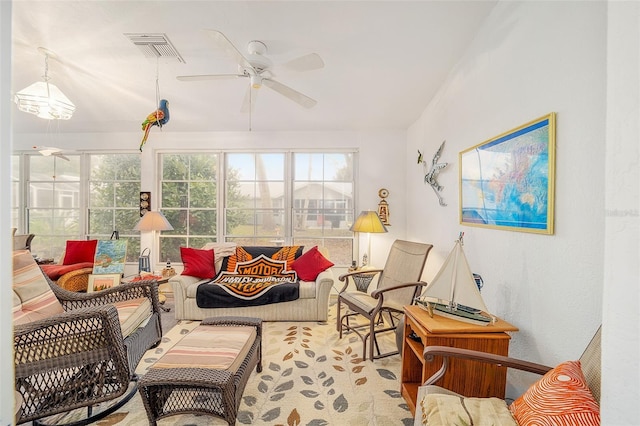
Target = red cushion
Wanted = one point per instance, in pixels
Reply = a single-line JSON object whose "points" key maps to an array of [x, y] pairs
{"points": [[310, 264], [198, 263], [79, 251], [56, 271], [560, 397]]}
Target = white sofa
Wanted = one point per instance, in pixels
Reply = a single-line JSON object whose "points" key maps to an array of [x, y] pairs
{"points": [[312, 305]]}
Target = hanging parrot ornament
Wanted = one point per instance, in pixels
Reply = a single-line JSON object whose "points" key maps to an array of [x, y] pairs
{"points": [[159, 118]]}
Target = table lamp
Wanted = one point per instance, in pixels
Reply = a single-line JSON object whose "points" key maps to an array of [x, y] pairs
{"points": [[369, 222], [153, 221]]}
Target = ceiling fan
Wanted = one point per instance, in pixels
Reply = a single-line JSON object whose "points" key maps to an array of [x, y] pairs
{"points": [[257, 68], [51, 151]]}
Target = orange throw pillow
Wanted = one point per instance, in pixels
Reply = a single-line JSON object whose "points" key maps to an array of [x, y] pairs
{"points": [[560, 397]]}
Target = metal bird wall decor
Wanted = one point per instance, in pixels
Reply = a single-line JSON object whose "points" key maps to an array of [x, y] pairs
{"points": [[431, 174], [159, 118]]}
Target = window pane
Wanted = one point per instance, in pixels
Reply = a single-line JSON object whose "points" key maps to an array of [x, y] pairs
{"points": [[101, 194], [127, 194], [189, 199], [202, 194], [101, 221], [175, 167], [240, 222], [175, 194], [203, 167], [243, 165], [202, 222], [308, 166]]}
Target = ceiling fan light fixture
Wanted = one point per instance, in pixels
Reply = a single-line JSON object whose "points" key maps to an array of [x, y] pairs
{"points": [[256, 81], [44, 99]]}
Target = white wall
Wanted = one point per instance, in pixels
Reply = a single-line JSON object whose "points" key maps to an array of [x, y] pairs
{"points": [[621, 322], [6, 331], [529, 59]]}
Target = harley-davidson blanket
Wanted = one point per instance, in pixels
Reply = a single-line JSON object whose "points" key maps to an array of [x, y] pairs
{"points": [[259, 281]]}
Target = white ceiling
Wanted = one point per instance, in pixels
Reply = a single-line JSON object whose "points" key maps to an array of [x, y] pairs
{"points": [[384, 61]]}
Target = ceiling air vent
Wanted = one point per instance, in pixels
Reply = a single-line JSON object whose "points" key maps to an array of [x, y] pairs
{"points": [[155, 45]]}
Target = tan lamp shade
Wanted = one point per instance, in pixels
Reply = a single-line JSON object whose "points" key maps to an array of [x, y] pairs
{"points": [[153, 221], [368, 221]]}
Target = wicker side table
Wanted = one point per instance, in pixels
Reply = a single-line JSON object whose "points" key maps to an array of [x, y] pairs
{"points": [[170, 391]]}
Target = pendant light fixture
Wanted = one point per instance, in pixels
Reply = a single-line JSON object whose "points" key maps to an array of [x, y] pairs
{"points": [[44, 99]]}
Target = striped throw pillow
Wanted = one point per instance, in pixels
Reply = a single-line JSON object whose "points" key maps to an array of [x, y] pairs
{"points": [[560, 397], [33, 298]]}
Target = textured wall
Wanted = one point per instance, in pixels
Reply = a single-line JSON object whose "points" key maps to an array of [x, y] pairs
{"points": [[529, 59]]}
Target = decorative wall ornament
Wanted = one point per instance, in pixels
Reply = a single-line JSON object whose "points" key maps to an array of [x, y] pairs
{"points": [[431, 174], [383, 206]]}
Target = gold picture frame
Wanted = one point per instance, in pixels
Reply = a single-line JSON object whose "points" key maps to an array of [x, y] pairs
{"points": [[508, 182], [99, 282]]}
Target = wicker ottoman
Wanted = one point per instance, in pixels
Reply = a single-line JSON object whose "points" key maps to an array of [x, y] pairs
{"points": [[206, 371]]}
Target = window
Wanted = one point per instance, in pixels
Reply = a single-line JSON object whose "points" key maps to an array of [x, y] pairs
{"points": [[53, 206], [189, 201], [268, 198], [323, 202], [84, 196], [114, 187], [254, 190]]}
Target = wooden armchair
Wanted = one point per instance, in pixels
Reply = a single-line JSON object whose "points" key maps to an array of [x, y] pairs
{"points": [[75, 350], [574, 408], [398, 285]]}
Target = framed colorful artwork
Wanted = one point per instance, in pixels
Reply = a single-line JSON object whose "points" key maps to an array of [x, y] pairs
{"points": [[102, 282], [110, 257], [508, 182]]}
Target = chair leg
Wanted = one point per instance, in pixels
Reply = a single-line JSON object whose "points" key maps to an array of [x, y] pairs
{"points": [[372, 338], [339, 320]]}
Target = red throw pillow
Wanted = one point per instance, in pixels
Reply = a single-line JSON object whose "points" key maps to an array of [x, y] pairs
{"points": [[560, 397], [310, 264], [79, 251], [198, 263]]}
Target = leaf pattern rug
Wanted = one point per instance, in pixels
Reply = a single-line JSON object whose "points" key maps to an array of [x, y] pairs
{"points": [[309, 377]]}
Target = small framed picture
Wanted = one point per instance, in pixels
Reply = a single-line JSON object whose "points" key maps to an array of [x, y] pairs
{"points": [[99, 282]]}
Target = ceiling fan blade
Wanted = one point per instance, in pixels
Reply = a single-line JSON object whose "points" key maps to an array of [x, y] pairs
{"points": [[225, 44], [309, 62], [249, 101], [288, 92], [209, 77]]}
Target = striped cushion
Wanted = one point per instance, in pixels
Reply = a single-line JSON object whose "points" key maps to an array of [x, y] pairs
{"points": [[132, 313], [210, 346], [560, 397], [33, 298]]}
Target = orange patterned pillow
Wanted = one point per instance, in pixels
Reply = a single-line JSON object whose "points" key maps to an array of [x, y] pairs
{"points": [[560, 397]]}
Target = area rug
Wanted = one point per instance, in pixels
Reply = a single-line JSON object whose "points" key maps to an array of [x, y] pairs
{"points": [[309, 377]]}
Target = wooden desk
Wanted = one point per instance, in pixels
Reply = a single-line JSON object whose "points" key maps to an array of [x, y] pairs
{"points": [[469, 378]]}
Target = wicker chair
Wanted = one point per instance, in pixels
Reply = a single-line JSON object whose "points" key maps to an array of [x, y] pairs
{"points": [[79, 357], [398, 285]]}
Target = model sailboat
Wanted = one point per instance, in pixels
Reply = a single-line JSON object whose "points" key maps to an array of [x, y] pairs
{"points": [[453, 292]]}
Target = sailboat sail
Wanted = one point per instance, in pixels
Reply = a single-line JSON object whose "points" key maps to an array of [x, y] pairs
{"points": [[454, 285]]}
